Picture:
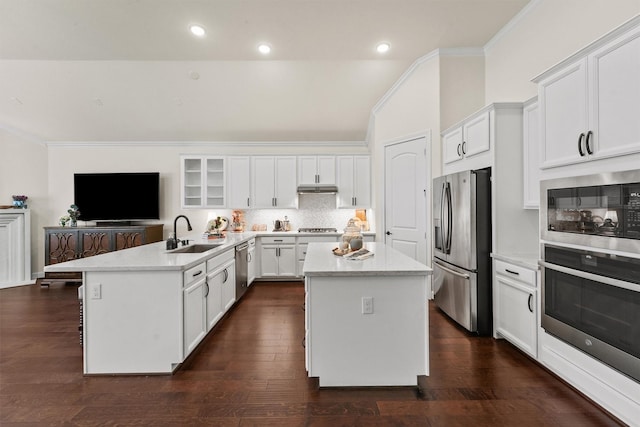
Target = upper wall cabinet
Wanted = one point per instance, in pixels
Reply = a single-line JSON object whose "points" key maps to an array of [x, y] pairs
{"points": [[354, 181], [239, 182], [467, 139], [274, 182], [316, 170], [203, 182], [589, 106]]}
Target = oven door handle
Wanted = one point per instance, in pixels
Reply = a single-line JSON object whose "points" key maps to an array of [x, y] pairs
{"points": [[590, 276], [448, 270]]}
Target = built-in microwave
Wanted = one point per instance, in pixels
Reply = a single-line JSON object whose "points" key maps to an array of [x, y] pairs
{"points": [[597, 211]]}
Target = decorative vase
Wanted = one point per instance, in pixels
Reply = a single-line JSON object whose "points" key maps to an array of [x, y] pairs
{"points": [[73, 223], [18, 204]]}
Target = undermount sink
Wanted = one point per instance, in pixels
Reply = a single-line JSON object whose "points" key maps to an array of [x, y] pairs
{"points": [[194, 249]]}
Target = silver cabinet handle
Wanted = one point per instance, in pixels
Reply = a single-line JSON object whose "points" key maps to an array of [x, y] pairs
{"points": [[226, 276], [448, 270], [207, 284]]}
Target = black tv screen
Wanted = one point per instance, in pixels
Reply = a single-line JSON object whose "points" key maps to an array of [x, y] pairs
{"points": [[117, 196]]}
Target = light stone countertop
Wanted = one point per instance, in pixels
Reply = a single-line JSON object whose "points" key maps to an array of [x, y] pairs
{"points": [[153, 256], [386, 261]]}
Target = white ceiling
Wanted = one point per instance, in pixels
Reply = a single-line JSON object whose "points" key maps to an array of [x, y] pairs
{"points": [[129, 70]]}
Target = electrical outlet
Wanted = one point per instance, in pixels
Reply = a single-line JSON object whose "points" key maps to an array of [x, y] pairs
{"points": [[367, 305], [96, 291]]}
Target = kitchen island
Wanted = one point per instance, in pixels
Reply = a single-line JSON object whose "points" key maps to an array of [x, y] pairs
{"points": [[366, 320], [145, 309]]}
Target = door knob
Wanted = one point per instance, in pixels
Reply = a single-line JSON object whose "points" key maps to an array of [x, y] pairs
{"points": [[389, 233]]}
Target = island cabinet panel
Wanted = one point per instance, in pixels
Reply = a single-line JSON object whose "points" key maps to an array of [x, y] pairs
{"points": [[195, 294], [132, 321], [385, 348]]}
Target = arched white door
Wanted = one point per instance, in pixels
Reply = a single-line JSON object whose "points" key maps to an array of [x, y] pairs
{"points": [[405, 198]]}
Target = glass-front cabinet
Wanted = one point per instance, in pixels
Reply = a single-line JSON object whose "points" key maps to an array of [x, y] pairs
{"points": [[203, 182]]}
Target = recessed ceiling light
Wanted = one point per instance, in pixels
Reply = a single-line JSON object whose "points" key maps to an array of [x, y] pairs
{"points": [[197, 30], [264, 48], [383, 47]]}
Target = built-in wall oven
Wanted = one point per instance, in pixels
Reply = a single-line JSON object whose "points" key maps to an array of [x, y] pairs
{"points": [[590, 229]]}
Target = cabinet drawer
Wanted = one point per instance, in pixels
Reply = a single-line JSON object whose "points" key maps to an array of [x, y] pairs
{"points": [[278, 239], [515, 272], [194, 273], [218, 260], [313, 239]]}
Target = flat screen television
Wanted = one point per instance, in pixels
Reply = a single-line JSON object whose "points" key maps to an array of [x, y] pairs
{"points": [[117, 196]]}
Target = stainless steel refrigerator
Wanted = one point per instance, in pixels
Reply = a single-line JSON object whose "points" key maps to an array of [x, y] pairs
{"points": [[462, 248]]}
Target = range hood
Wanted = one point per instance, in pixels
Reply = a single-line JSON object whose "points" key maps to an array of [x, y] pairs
{"points": [[317, 189]]}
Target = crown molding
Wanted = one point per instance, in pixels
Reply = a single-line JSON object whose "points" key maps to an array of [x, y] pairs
{"points": [[511, 24], [182, 144]]}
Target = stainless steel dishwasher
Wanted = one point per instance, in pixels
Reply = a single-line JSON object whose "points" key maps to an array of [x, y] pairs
{"points": [[242, 269]]}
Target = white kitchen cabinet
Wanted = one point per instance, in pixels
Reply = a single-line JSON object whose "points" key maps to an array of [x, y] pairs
{"points": [[589, 105], [218, 298], [354, 181], [251, 262], [467, 139], [316, 170], [274, 182], [530, 152], [515, 310], [15, 247], [194, 300], [278, 257], [239, 182], [228, 285], [203, 182], [303, 242]]}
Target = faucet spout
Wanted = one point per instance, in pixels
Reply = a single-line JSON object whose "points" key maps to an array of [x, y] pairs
{"points": [[174, 244]]}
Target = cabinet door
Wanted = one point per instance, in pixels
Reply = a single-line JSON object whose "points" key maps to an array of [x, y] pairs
{"points": [[95, 242], [287, 262], [345, 182], [239, 182], [452, 146], [307, 170], [228, 285], [269, 261], [214, 188], [251, 264], [195, 325], [286, 188], [61, 246], [615, 97], [326, 170], [128, 239], [362, 182], [475, 133], [516, 314], [213, 295], [563, 111], [192, 176], [263, 181]]}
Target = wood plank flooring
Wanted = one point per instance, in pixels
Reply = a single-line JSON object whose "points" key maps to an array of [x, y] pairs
{"points": [[250, 372]]}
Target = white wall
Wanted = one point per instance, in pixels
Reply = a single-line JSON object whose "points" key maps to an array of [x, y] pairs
{"points": [[461, 87], [548, 32], [24, 171]]}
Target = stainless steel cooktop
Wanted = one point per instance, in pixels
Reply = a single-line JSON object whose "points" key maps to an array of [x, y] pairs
{"points": [[317, 230]]}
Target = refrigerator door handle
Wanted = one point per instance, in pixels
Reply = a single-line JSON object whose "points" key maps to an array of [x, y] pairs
{"points": [[449, 218], [444, 223], [448, 270]]}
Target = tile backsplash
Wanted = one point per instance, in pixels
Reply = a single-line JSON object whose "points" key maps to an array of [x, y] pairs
{"points": [[314, 210]]}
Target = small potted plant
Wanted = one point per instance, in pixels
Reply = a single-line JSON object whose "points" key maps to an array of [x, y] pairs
{"points": [[74, 214]]}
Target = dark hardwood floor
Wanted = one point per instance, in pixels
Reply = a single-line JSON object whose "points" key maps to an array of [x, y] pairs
{"points": [[250, 372]]}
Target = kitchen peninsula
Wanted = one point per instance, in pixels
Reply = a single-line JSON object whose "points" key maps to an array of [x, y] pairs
{"points": [[145, 308], [366, 320]]}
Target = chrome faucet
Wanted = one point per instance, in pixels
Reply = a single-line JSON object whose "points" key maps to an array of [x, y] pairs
{"points": [[172, 242]]}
